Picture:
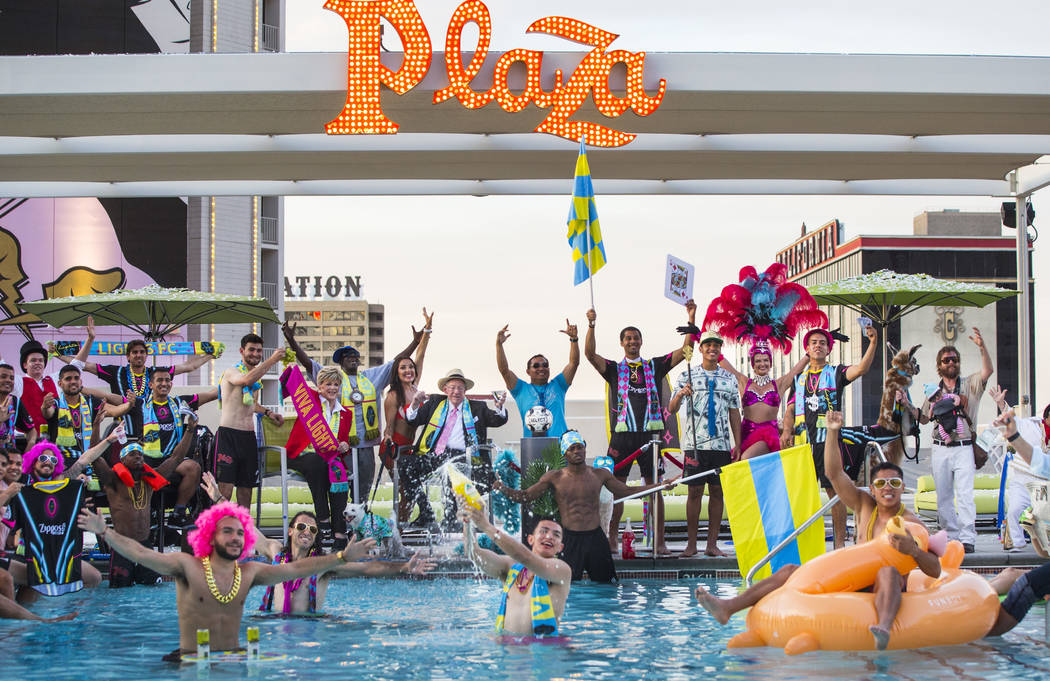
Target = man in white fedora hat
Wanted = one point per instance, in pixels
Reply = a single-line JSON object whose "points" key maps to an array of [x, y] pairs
{"points": [[453, 427]]}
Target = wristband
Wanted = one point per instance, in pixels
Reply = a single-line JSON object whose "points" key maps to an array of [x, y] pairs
{"points": [[590, 324], [428, 330], [340, 556], [574, 340], [1014, 436]]}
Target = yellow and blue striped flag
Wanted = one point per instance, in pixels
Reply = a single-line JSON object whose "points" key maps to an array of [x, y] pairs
{"points": [[767, 497], [585, 235]]}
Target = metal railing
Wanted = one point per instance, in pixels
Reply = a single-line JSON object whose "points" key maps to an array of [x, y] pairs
{"points": [[269, 292], [271, 38], [790, 538], [268, 230]]}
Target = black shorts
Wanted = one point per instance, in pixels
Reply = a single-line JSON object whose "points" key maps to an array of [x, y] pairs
{"points": [[124, 572], [236, 457], [818, 464], [703, 460], [622, 445], [588, 552]]}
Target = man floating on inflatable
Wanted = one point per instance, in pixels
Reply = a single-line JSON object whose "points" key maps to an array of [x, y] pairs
{"points": [[890, 589]]}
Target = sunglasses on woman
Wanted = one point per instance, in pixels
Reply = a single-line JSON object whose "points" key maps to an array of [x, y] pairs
{"points": [[895, 483], [303, 527]]}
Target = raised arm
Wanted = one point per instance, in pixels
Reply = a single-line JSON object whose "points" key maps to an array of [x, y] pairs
{"points": [[840, 482], [553, 570], [272, 574], [88, 457], [236, 378], [589, 351], [569, 372], [84, 352], [209, 395], [621, 489], [510, 379], [416, 565], [986, 359], [857, 370], [300, 354], [105, 396], [421, 350], [521, 496], [741, 378], [417, 336], [174, 564], [189, 432], [784, 382], [192, 364], [491, 563], [687, 340]]}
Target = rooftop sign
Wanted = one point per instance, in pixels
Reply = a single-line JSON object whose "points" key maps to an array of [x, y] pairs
{"points": [[363, 112]]}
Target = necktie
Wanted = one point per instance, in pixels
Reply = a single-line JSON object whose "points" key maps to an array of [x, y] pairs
{"points": [[712, 427], [446, 432]]}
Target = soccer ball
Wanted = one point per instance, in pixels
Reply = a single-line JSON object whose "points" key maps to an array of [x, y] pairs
{"points": [[538, 419]]}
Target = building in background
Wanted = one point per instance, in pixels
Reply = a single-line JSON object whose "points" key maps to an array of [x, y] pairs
{"points": [[56, 247], [949, 245], [322, 326]]}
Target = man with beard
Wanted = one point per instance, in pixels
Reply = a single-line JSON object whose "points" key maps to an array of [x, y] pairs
{"points": [[236, 459], [815, 392], [157, 421], [18, 419], [540, 390], [952, 460], [70, 415], [212, 584], [129, 486], [359, 395]]}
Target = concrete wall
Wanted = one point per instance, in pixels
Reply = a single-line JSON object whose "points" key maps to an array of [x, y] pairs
{"points": [[956, 223]]}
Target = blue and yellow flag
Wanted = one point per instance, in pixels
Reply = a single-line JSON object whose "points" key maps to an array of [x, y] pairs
{"points": [[767, 497], [585, 235]]}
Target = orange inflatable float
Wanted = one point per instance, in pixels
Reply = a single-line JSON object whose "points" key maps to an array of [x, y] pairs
{"points": [[818, 608]]}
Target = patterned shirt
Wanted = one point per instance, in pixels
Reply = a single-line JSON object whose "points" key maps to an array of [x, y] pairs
{"points": [[723, 386]]}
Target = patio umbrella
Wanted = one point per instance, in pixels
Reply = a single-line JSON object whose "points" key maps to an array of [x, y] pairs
{"points": [[152, 311], [886, 296]]}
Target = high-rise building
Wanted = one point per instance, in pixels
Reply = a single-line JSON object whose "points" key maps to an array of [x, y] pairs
{"points": [[323, 326]]}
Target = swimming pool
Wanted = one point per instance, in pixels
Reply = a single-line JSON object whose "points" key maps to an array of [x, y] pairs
{"points": [[440, 630]]}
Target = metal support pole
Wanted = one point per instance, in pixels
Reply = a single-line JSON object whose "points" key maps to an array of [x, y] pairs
{"points": [[1024, 322]]}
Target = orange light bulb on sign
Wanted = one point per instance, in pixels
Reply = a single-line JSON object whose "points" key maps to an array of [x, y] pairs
{"points": [[363, 112]]}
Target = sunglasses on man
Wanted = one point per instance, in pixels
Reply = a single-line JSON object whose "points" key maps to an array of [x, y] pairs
{"points": [[949, 360], [541, 365], [895, 483], [303, 527]]}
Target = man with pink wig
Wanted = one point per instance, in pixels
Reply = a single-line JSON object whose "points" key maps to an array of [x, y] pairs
{"points": [[213, 583]]}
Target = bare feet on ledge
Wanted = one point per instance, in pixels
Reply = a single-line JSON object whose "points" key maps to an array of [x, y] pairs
{"points": [[714, 551], [714, 605]]}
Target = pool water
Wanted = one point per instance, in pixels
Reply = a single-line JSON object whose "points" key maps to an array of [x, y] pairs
{"points": [[442, 630]]}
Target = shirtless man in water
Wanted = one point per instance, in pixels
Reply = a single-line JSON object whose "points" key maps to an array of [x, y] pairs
{"points": [[211, 584], [577, 488], [236, 454], [873, 509], [535, 583]]}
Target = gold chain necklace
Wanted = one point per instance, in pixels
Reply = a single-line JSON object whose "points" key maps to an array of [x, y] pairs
{"points": [[140, 502], [209, 577]]}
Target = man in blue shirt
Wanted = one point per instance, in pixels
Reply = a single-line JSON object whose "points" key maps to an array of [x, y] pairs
{"points": [[540, 390]]}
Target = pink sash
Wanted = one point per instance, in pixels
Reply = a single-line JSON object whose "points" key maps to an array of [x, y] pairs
{"points": [[311, 415]]}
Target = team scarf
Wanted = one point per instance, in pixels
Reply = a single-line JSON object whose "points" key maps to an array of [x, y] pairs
{"points": [[369, 407], [151, 427], [66, 436], [310, 414], [248, 391], [152, 477], [826, 389], [544, 623], [290, 587], [625, 418], [437, 423]]}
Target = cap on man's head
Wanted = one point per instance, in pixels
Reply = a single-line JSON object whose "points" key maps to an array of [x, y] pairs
{"points": [[337, 356], [825, 332], [570, 438], [711, 335]]}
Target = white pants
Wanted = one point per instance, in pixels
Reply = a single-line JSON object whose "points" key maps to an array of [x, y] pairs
{"points": [[953, 474], [1017, 500]]}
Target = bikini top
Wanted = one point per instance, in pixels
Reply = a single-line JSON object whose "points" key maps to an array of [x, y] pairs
{"points": [[770, 397]]}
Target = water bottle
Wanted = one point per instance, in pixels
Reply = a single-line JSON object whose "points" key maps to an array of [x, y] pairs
{"points": [[627, 542]]}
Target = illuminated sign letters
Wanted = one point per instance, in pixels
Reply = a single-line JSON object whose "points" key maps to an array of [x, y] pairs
{"points": [[363, 112]]}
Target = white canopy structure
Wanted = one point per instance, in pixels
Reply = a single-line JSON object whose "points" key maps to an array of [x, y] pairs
{"points": [[249, 124]]}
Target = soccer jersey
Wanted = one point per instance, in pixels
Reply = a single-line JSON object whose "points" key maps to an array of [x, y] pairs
{"points": [[46, 512], [166, 417]]}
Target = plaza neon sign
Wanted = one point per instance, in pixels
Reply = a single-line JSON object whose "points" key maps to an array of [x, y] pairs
{"points": [[363, 112]]}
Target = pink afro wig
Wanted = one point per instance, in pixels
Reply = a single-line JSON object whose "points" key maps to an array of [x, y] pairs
{"points": [[39, 448], [200, 539]]}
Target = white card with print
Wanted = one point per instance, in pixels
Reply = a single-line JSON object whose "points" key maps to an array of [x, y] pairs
{"points": [[678, 285]]}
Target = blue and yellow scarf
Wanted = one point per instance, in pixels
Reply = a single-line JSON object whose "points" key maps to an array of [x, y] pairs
{"points": [[544, 623], [437, 422]]}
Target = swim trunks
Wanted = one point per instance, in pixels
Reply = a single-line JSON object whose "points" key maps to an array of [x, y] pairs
{"points": [[701, 461], [588, 551], [236, 458], [124, 572], [622, 445]]}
